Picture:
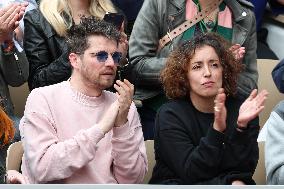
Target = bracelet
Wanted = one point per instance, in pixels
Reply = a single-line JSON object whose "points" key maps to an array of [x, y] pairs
{"points": [[242, 128], [8, 47]]}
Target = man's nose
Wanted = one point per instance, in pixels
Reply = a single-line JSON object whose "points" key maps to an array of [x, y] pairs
{"points": [[109, 61]]}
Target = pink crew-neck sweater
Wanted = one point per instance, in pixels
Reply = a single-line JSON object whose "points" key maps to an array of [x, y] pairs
{"points": [[63, 145]]}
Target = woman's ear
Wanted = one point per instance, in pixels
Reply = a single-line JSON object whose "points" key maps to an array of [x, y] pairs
{"points": [[74, 60]]}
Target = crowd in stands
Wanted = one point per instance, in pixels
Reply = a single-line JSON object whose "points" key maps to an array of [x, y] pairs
{"points": [[182, 73]]}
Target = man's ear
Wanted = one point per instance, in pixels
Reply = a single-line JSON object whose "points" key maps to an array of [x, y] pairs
{"points": [[74, 60]]}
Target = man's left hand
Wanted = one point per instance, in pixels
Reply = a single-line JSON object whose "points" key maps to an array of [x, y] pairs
{"points": [[125, 91]]}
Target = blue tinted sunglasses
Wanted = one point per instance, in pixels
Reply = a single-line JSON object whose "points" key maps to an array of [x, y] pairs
{"points": [[102, 56]]}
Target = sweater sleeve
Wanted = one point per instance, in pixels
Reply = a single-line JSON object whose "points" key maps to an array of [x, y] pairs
{"points": [[130, 161], [193, 163], [53, 159], [274, 160]]}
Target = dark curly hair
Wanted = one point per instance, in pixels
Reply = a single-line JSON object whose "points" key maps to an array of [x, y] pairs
{"points": [[174, 75], [77, 35]]}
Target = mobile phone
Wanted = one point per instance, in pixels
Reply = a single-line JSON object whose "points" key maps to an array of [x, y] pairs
{"points": [[115, 18]]}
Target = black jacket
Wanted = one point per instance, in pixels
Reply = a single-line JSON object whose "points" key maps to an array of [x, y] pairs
{"points": [[46, 51], [189, 151]]}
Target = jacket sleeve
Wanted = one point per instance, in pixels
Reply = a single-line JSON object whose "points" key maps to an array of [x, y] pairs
{"points": [[193, 163], [43, 70], [53, 159], [129, 152], [248, 78], [274, 161], [278, 76], [143, 44], [15, 68]]}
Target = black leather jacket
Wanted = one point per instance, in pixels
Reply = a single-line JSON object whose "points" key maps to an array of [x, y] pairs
{"points": [[46, 52]]}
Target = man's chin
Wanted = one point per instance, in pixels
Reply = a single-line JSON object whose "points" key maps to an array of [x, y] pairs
{"points": [[106, 85]]}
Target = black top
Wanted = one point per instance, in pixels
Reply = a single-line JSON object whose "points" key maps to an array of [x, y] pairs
{"points": [[189, 151]]}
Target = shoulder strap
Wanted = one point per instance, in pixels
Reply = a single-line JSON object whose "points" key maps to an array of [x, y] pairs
{"points": [[187, 24]]}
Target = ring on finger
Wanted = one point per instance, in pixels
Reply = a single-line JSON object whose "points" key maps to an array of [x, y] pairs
{"points": [[216, 109]]}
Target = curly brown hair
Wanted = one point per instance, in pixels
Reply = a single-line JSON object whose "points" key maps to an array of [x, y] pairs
{"points": [[7, 130], [174, 75]]}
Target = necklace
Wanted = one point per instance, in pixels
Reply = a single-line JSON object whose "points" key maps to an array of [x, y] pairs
{"points": [[211, 19]]}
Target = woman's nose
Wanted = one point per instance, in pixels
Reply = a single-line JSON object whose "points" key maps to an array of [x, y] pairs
{"points": [[207, 71]]}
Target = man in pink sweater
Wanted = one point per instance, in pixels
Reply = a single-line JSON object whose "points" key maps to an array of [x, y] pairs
{"points": [[75, 131]]}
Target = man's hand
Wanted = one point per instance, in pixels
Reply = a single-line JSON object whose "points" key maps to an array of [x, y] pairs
{"points": [[238, 182], [9, 19], [220, 111], [125, 92], [108, 120], [14, 177]]}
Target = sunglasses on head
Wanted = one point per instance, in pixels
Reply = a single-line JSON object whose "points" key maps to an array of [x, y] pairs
{"points": [[102, 56]]}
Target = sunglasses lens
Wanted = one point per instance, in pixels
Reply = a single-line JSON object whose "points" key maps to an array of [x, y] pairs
{"points": [[116, 56], [102, 56]]}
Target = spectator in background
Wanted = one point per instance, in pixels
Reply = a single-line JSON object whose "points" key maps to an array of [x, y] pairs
{"points": [[274, 160], [45, 33], [276, 7], [7, 132], [75, 131], [130, 9], [14, 64], [278, 76], [234, 20], [205, 134]]}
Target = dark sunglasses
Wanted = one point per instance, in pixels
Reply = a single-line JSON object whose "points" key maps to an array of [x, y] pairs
{"points": [[102, 56]]}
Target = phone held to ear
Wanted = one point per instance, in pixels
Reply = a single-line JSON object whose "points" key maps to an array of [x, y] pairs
{"points": [[115, 18]]}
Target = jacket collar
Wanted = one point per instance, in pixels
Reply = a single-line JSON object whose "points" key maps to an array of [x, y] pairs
{"points": [[234, 5], [180, 4], [237, 9]]}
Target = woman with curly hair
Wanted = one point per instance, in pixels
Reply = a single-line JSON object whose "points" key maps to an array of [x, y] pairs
{"points": [[7, 132], [205, 134]]}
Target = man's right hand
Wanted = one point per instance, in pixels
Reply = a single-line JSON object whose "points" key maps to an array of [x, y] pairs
{"points": [[9, 19], [14, 177], [107, 122]]}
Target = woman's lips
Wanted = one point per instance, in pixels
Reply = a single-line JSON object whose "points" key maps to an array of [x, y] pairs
{"points": [[208, 84]]}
